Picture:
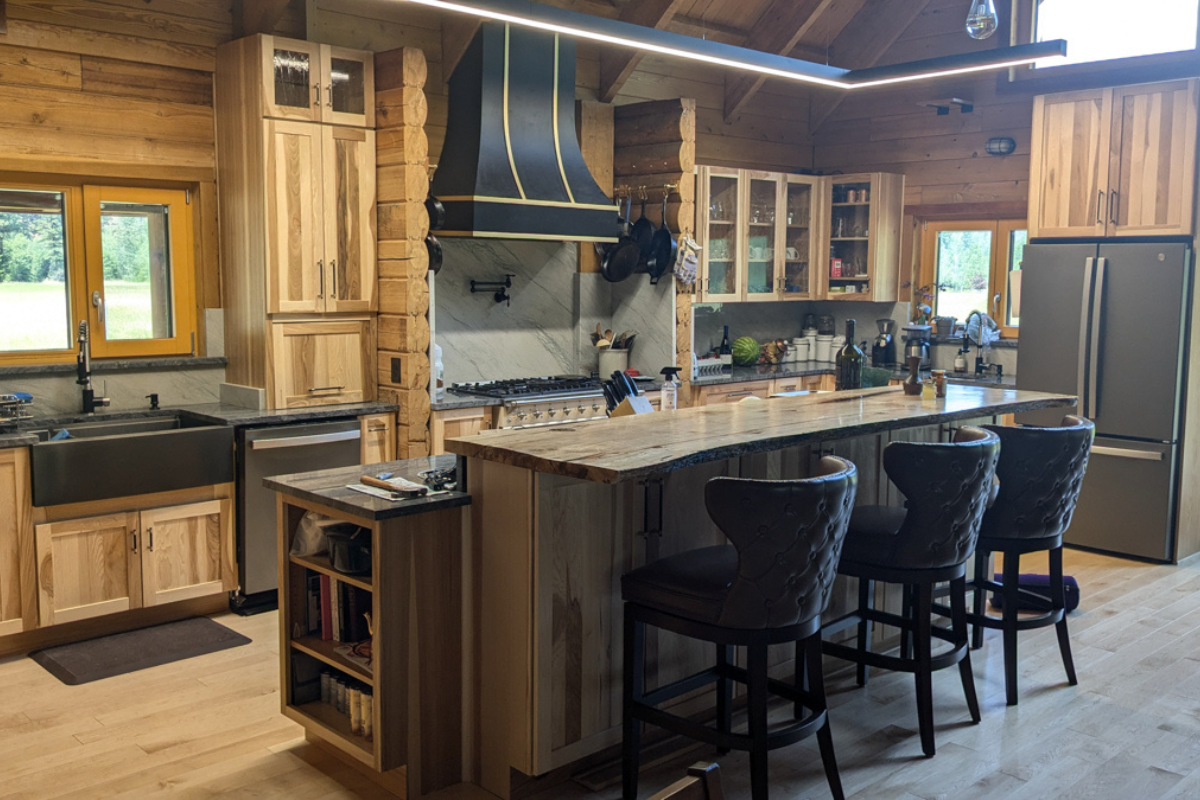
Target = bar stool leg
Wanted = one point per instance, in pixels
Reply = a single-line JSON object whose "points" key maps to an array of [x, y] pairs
{"points": [[865, 591], [1012, 574], [1059, 599], [923, 643], [756, 704], [906, 611], [633, 684], [724, 693], [980, 597], [958, 622], [816, 687]]}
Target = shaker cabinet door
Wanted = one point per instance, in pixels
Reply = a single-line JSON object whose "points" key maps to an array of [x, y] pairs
{"points": [[16, 541], [294, 218], [88, 567], [1069, 164], [349, 202], [182, 551], [291, 76], [322, 362]]}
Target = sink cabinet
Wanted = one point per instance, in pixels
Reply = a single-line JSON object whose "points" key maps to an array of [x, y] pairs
{"points": [[17, 599], [93, 566]]}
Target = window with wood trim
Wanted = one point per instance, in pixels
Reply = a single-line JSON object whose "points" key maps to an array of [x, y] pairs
{"points": [[120, 257], [969, 265]]}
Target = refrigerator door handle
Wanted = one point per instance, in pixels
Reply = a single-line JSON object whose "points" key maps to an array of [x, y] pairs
{"points": [[1121, 452], [1089, 275], [1094, 347]]}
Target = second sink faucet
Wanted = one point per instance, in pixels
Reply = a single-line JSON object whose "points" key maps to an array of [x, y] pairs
{"points": [[83, 366]]}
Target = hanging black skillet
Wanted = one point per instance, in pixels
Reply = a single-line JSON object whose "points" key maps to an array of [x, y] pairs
{"points": [[663, 248], [643, 230], [436, 211], [622, 258], [434, 247]]}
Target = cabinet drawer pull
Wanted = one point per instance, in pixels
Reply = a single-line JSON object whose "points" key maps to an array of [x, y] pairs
{"points": [[739, 394], [326, 389], [377, 430]]}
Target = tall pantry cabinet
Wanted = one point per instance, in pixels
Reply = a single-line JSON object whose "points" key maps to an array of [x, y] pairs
{"points": [[296, 187]]}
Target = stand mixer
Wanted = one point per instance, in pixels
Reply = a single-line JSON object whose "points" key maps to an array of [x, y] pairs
{"points": [[883, 349]]}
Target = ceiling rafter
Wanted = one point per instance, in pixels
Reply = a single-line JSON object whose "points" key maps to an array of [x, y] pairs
{"points": [[617, 65], [780, 29], [257, 16], [862, 46]]}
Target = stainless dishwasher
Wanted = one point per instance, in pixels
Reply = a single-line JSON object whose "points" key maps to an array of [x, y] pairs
{"points": [[279, 450]]}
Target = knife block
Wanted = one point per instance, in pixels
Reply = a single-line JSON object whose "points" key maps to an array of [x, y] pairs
{"points": [[633, 405]]}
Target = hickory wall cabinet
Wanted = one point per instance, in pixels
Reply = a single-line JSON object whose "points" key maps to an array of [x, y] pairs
{"points": [[18, 603], [296, 184], [1114, 162], [863, 235]]}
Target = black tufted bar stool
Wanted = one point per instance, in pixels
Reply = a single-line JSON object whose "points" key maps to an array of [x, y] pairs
{"points": [[1041, 472], [946, 487], [769, 587]]}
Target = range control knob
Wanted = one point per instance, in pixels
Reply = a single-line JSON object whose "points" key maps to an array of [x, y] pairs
{"points": [[595, 406], [583, 409], [521, 415], [537, 415], [552, 412], [567, 412]]}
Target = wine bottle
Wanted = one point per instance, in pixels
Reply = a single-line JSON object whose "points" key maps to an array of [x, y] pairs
{"points": [[849, 362], [726, 347]]}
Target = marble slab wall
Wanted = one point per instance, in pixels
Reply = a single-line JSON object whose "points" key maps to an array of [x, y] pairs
{"points": [[57, 393], [546, 330]]}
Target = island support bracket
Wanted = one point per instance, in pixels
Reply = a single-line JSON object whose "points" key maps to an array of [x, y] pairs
{"points": [[652, 516]]}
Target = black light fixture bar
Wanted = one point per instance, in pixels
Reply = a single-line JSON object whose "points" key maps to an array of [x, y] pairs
{"points": [[669, 43]]}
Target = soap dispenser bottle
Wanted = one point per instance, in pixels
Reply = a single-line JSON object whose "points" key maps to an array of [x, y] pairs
{"points": [[670, 389]]}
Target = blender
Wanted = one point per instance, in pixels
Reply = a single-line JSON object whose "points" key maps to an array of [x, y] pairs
{"points": [[883, 349]]}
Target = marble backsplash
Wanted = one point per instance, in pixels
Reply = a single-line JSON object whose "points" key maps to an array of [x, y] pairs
{"points": [[546, 330], [57, 394]]}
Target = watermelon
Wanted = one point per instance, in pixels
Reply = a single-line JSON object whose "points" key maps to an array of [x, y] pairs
{"points": [[745, 352]]}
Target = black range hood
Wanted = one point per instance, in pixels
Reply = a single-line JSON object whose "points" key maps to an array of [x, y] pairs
{"points": [[511, 166]]}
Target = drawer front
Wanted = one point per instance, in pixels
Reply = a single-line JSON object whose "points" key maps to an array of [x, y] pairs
{"points": [[322, 363], [732, 393]]}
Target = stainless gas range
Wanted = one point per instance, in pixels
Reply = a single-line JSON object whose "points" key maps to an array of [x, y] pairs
{"points": [[536, 402]]}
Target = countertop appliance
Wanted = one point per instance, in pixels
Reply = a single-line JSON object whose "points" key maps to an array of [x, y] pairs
{"points": [[534, 402], [1109, 322], [883, 349], [279, 450], [916, 342]]}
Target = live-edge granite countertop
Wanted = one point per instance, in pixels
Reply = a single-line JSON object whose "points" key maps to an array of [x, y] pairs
{"points": [[624, 448], [327, 488]]}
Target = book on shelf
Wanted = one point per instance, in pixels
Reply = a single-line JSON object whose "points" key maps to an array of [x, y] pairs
{"points": [[326, 609], [312, 597]]}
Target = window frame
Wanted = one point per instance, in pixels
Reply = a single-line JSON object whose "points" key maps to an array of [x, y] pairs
{"points": [[998, 289], [1111, 72], [84, 270]]}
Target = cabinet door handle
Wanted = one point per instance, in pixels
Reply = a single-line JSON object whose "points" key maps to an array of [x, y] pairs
{"points": [[150, 537], [329, 95], [133, 540], [326, 389], [321, 278], [333, 279], [1100, 207], [1114, 206], [316, 95]]}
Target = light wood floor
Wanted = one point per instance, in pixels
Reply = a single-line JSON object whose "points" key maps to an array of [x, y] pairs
{"points": [[210, 726]]}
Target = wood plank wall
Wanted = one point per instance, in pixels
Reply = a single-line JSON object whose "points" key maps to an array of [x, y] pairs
{"points": [[112, 90], [942, 157], [771, 133]]}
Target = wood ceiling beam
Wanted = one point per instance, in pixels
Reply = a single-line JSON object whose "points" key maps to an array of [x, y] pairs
{"points": [[257, 16], [779, 30], [3, 17], [458, 31], [863, 44], [617, 65]]}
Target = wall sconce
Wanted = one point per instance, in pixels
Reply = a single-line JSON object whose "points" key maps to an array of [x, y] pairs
{"points": [[1000, 145]]}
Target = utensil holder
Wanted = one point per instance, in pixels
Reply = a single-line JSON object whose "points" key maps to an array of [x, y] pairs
{"points": [[613, 361]]}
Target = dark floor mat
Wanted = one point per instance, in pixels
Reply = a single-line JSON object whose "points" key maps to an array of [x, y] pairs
{"points": [[84, 662]]}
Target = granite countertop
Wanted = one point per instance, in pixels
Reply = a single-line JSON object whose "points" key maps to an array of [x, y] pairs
{"points": [[450, 400], [633, 447], [764, 372], [328, 488], [16, 439], [118, 365]]}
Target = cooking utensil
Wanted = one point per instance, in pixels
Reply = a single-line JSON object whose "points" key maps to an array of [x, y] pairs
{"points": [[663, 248], [610, 395], [436, 211], [643, 230], [434, 247], [621, 259], [625, 384]]}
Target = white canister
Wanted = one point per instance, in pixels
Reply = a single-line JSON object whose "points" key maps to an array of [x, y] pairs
{"points": [[613, 361], [800, 346], [824, 348]]}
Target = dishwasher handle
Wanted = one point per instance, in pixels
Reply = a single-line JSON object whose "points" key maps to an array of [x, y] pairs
{"points": [[303, 441]]}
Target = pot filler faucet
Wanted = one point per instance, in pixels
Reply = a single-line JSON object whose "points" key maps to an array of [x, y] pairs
{"points": [[83, 365]]}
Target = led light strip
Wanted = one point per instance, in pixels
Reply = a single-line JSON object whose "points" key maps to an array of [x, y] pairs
{"points": [[667, 43]]}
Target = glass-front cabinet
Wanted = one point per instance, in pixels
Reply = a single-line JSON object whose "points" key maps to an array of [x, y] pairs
{"points": [[760, 232], [863, 237], [317, 82], [720, 214]]}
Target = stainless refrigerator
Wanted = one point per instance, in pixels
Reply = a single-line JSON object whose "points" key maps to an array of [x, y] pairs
{"points": [[1109, 322]]}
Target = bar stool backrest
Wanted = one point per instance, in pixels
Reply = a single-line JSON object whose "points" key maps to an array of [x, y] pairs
{"points": [[788, 535], [1041, 472], [946, 487]]}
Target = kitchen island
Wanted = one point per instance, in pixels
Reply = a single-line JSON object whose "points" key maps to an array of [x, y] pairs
{"points": [[561, 512]]}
